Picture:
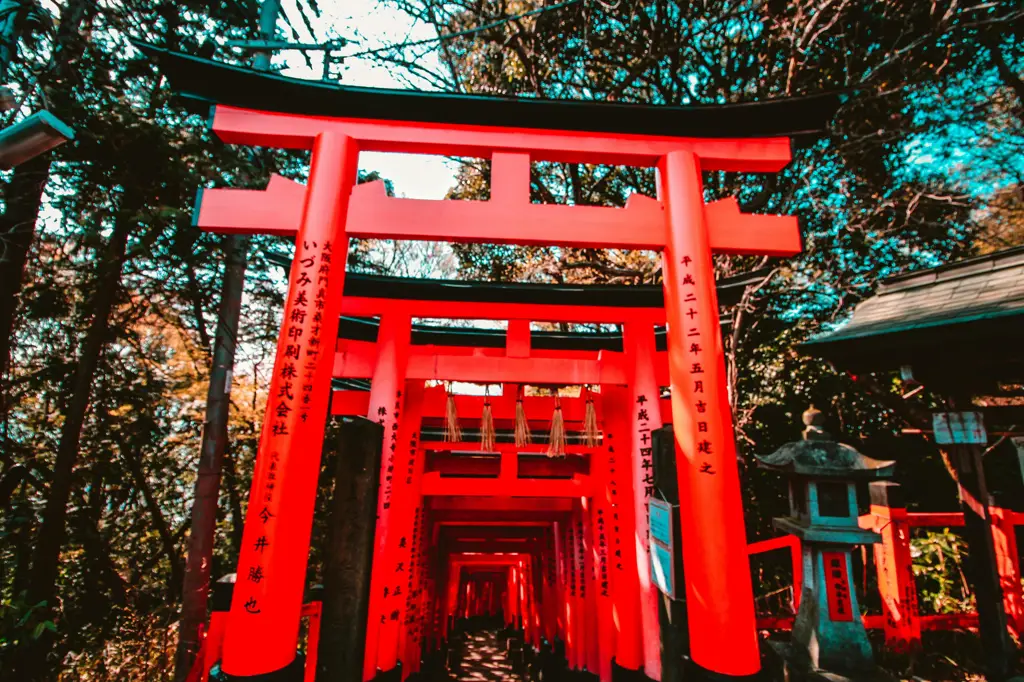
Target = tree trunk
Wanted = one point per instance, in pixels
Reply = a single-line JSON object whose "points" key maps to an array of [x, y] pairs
{"points": [[17, 227], [133, 459], [25, 192], [204, 509], [234, 502], [99, 552], [33, 660], [211, 460]]}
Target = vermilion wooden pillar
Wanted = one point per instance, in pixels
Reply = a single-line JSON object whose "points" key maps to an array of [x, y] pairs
{"points": [[565, 611], [263, 624], [528, 627], [386, 403], [520, 597], [572, 555], [524, 598], [443, 595], [622, 557], [591, 623], [720, 602], [601, 533], [403, 477], [431, 604], [585, 618], [644, 415], [549, 595], [1004, 538], [896, 584], [416, 610], [512, 597], [452, 596], [534, 593], [585, 614]]}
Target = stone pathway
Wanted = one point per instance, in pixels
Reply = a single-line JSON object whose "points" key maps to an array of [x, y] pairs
{"points": [[485, 659]]}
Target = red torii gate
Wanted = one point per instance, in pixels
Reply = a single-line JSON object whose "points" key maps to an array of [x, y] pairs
{"points": [[264, 620], [717, 572], [718, 577]]}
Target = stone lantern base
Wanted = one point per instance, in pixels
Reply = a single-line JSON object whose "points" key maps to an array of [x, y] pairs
{"points": [[781, 665]]}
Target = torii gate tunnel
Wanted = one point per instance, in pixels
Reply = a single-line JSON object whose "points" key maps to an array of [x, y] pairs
{"points": [[567, 536]]}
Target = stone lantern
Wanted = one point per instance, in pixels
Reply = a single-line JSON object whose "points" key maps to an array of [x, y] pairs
{"points": [[829, 634]]}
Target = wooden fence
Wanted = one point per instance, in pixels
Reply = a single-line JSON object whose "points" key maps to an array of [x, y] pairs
{"points": [[901, 619]]}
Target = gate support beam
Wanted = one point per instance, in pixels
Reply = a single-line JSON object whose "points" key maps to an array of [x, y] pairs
{"points": [[263, 625], [644, 415], [720, 603], [385, 406]]}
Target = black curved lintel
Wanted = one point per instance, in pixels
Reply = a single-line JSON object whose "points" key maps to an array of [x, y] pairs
{"points": [[728, 289], [206, 82]]}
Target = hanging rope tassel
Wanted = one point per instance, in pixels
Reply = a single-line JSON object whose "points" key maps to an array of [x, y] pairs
{"points": [[556, 440], [523, 437], [487, 425], [591, 434], [452, 432]]}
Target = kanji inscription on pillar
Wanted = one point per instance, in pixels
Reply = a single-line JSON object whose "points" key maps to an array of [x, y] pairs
{"points": [[837, 586], [292, 398]]}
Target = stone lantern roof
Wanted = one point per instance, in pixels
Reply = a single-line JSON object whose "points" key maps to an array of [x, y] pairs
{"points": [[819, 456]]}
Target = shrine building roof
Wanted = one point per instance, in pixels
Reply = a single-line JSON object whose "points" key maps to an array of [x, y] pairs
{"points": [[966, 313], [206, 82]]}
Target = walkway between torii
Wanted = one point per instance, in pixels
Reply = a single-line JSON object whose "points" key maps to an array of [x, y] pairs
{"points": [[555, 581]]}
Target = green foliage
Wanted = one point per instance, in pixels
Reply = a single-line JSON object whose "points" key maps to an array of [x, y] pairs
{"points": [[938, 560], [19, 621], [137, 161]]}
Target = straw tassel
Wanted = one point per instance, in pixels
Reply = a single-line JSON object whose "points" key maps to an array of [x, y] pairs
{"points": [[556, 440], [522, 430], [487, 426], [452, 432], [591, 434]]}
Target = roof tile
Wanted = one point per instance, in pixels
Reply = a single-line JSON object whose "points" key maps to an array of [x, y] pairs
{"points": [[992, 285]]}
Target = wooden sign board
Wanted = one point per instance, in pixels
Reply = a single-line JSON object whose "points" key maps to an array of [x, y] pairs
{"points": [[959, 428]]}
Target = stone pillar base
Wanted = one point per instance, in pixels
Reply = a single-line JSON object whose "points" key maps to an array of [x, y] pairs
{"points": [[780, 663]]}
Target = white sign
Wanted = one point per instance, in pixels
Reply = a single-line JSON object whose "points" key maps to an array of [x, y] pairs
{"points": [[662, 569], [659, 517], [959, 428]]}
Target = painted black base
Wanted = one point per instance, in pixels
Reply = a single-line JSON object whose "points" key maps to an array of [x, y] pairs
{"points": [[393, 675], [433, 666], [579, 676], [550, 661], [695, 673], [290, 673], [620, 674]]}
